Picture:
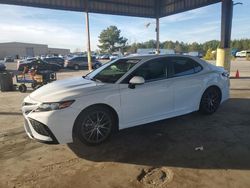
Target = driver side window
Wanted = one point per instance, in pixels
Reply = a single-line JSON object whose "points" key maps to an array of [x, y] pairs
{"points": [[151, 71]]}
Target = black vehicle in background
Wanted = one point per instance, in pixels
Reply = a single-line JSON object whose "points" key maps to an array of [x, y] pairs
{"points": [[2, 67], [39, 64], [56, 60], [81, 62]]}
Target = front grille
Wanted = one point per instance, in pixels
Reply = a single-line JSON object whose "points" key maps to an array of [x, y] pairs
{"points": [[39, 127]]}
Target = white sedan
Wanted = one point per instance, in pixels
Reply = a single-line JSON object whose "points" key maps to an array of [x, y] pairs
{"points": [[123, 93]]}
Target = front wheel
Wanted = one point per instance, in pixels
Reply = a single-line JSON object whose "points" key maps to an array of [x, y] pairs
{"points": [[95, 125], [22, 88], [210, 100]]}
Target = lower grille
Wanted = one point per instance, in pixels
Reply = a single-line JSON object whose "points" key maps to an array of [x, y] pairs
{"points": [[39, 127]]}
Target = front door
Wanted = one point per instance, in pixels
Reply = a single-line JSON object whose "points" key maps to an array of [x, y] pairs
{"points": [[148, 102]]}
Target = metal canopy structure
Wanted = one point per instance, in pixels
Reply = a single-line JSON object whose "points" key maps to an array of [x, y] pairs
{"points": [[142, 8], [138, 8]]}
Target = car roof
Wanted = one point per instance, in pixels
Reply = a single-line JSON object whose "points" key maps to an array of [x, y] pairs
{"points": [[153, 56]]}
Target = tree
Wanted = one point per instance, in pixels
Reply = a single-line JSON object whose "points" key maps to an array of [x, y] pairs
{"points": [[194, 47], [110, 40], [150, 44], [178, 47], [168, 45]]}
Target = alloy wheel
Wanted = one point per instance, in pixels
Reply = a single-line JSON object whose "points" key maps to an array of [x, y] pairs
{"points": [[211, 100], [96, 127]]}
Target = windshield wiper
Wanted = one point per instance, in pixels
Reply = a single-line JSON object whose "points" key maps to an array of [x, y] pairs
{"points": [[95, 80]]}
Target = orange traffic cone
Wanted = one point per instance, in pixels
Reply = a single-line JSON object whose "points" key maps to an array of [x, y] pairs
{"points": [[237, 75]]}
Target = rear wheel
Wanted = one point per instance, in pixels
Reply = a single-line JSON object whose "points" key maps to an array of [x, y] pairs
{"points": [[95, 125], [210, 100]]}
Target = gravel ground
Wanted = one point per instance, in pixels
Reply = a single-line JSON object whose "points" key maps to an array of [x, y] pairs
{"points": [[188, 151]]}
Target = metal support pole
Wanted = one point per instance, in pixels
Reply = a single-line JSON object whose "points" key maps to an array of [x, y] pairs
{"points": [[226, 23], [224, 52], [157, 29], [88, 42]]}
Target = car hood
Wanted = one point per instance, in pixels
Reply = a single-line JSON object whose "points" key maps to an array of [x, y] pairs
{"points": [[67, 89]]}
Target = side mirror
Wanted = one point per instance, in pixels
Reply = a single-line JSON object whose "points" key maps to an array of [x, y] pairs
{"points": [[136, 80]]}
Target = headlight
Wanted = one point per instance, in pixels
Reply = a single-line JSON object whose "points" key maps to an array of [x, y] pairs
{"points": [[44, 107]]}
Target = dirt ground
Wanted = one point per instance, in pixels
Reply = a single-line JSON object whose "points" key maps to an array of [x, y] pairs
{"points": [[188, 151]]}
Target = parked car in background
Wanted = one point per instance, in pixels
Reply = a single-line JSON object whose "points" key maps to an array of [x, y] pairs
{"points": [[81, 62], [243, 53], [2, 67], [9, 59], [121, 94], [234, 52], [56, 60], [99, 56], [25, 60], [195, 54], [105, 56], [39, 64], [115, 56]]}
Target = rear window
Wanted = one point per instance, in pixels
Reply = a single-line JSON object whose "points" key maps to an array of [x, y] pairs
{"points": [[184, 66]]}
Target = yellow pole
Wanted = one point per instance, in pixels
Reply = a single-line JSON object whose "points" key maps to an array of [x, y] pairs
{"points": [[223, 58], [157, 36], [224, 53], [88, 42]]}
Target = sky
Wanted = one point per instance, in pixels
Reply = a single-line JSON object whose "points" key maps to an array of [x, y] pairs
{"points": [[66, 29]]}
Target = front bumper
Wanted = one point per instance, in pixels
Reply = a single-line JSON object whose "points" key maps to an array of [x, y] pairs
{"points": [[40, 132], [50, 127]]}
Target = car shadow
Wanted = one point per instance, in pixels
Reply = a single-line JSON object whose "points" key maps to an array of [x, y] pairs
{"points": [[218, 141]]}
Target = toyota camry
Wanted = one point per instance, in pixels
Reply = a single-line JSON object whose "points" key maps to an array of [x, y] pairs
{"points": [[123, 93]]}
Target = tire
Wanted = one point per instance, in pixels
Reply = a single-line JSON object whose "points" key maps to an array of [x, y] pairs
{"points": [[22, 88], [38, 86], [33, 85], [94, 125], [76, 67], [210, 100]]}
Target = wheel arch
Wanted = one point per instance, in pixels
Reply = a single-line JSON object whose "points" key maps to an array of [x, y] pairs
{"points": [[208, 87], [214, 86], [102, 105]]}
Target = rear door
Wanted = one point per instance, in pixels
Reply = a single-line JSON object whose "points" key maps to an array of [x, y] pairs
{"points": [[187, 83]]}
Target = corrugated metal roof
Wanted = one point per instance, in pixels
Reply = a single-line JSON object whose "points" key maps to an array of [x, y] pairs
{"points": [[139, 8]]}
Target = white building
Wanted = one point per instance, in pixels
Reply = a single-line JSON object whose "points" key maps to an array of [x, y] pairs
{"points": [[14, 49]]}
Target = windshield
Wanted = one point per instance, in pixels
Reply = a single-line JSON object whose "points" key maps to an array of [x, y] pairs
{"points": [[115, 70]]}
